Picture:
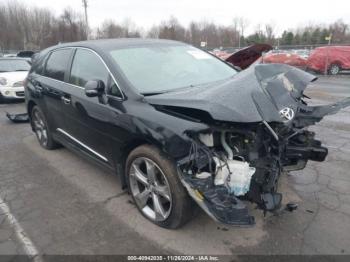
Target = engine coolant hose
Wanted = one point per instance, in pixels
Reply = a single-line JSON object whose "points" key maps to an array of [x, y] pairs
{"points": [[226, 146]]}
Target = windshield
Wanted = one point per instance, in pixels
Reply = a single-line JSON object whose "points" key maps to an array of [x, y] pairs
{"points": [[14, 65], [158, 69]]}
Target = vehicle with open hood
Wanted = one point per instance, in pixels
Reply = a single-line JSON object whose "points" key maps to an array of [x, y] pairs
{"points": [[247, 56], [178, 125]]}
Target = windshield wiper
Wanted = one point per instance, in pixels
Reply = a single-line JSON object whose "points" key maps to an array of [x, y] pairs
{"points": [[21, 70]]}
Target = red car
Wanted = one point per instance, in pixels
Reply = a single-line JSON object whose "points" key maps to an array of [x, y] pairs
{"points": [[285, 58], [330, 58]]}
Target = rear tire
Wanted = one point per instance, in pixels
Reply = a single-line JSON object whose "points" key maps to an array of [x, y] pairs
{"points": [[42, 130], [177, 206]]}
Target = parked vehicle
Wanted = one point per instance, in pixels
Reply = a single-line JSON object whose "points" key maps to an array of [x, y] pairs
{"points": [[248, 55], [285, 58], [332, 59], [220, 53], [10, 55], [304, 53], [177, 124], [25, 54], [13, 72]]}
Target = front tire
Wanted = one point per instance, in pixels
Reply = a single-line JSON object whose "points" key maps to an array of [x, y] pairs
{"points": [[42, 129], [156, 188], [334, 69]]}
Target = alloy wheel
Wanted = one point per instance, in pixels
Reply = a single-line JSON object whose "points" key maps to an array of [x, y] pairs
{"points": [[150, 189], [334, 70], [40, 127]]}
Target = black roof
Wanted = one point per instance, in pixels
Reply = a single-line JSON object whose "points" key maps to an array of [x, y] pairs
{"points": [[110, 44]]}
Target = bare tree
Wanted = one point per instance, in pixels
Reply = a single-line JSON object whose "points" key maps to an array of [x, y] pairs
{"points": [[269, 30], [110, 29], [153, 32], [25, 27], [243, 24]]}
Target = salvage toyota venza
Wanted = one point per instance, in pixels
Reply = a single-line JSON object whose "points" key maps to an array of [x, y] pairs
{"points": [[177, 124]]}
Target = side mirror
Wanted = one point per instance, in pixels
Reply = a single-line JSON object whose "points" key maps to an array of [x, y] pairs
{"points": [[94, 88]]}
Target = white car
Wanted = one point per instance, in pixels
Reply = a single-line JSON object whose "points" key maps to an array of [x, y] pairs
{"points": [[13, 72]]}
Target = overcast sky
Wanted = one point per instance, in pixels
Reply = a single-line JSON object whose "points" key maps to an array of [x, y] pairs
{"points": [[283, 14]]}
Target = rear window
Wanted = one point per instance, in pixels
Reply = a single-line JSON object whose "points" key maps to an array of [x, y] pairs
{"points": [[13, 65], [57, 64]]}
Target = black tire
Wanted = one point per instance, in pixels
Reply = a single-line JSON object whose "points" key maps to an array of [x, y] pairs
{"points": [[183, 207], [334, 69], [2, 99], [49, 143]]}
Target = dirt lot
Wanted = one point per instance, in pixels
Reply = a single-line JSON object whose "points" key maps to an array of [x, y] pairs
{"points": [[58, 203]]}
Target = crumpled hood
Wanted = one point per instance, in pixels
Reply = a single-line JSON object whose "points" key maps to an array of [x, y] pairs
{"points": [[254, 95]]}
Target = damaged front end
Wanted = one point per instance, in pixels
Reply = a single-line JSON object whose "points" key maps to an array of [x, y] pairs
{"points": [[244, 162], [253, 136]]}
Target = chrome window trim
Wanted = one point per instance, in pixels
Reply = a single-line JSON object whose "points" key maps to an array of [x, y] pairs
{"points": [[94, 52], [111, 96], [59, 81], [82, 144]]}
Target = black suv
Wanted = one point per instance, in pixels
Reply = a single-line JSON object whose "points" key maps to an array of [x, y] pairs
{"points": [[176, 123]]}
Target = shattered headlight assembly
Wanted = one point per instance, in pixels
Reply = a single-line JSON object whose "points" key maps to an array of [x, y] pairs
{"points": [[3, 81]]}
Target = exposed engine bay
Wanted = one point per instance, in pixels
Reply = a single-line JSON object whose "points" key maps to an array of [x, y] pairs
{"points": [[257, 130], [227, 166]]}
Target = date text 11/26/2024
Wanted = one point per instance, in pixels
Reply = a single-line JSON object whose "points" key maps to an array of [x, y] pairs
{"points": [[173, 258]]}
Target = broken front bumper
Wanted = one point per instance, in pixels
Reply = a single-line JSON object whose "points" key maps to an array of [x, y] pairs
{"points": [[267, 156]]}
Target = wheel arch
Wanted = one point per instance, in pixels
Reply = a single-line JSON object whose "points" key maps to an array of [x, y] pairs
{"points": [[126, 150], [336, 62], [165, 143], [30, 106]]}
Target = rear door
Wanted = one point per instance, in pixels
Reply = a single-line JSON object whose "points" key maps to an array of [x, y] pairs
{"points": [[52, 86]]}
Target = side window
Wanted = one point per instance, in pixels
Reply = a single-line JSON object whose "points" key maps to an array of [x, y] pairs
{"points": [[87, 66], [57, 64], [38, 63]]}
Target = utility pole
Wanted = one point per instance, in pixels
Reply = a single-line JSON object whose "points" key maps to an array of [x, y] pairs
{"points": [[86, 19], [330, 38]]}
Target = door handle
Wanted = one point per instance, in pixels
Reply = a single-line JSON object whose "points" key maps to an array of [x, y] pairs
{"points": [[66, 100], [38, 86]]}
